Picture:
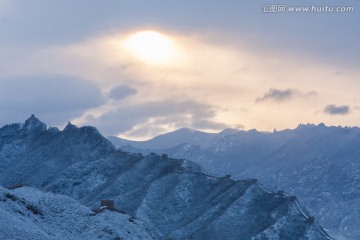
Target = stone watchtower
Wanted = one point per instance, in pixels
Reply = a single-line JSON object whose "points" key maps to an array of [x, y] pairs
{"points": [[109, 204]]}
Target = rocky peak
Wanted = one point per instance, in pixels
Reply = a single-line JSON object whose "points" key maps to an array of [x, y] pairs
{"points": [[89, 136], [70, 127], [34, 124]]}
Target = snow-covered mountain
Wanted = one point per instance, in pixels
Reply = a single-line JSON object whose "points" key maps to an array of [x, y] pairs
{"points": [[173, 198], [320, 164], [28, 213], [171, 139]]}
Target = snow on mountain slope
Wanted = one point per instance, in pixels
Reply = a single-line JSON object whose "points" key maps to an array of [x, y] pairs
{"points": [[317, 163], [173, 197], [28, 213], [168, 140], [226, 151]]}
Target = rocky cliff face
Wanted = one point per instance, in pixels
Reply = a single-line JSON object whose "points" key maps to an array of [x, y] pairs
{"points": [[173, 197]]}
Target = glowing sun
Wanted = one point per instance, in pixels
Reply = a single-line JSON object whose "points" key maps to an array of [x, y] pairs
{"points": [[152, 47]]}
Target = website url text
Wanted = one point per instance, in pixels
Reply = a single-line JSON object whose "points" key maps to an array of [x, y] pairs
{"points": [[280, 8]]}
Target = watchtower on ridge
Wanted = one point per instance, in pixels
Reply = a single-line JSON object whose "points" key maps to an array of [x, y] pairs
{"points": [[109, 204]]}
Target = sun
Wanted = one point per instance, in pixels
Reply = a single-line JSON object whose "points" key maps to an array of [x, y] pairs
{"points": [[152, 47]]}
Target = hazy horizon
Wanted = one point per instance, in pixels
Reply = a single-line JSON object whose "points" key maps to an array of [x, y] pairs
{"points": [[62, 127]]}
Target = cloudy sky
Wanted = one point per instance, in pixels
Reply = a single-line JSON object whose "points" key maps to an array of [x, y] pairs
{"points": [[138, 68]]}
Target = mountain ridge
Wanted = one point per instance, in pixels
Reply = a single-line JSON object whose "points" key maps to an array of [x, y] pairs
{"points": [[174, 197], [318, 163]]}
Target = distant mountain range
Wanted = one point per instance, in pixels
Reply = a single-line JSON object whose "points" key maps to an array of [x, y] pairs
{"points": [[167, 198], [320, 164], [178, 137]]}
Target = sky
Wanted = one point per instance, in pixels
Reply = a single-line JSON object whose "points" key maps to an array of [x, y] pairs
{"points": [[139, 68]]}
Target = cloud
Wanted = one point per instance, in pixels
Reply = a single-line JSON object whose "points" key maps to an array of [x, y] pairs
{"points": [[55, 99], [332, 109], [48, 23], [122, 91], [160, 114], [147, 130], [222, 67], [283, 95]]}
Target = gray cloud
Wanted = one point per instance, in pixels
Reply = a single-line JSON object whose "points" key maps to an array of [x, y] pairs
{"points": [[41, 22], [175, 113], [122, 91], [53, 98], [283, 95], [277, 95], [337, 110]]}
